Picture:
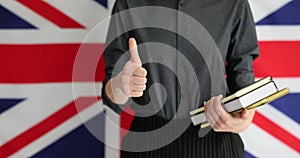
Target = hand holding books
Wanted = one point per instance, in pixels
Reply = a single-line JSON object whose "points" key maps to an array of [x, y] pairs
{"points": [[252, 96]]}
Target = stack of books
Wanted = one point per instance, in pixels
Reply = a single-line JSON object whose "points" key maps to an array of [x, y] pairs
{"points": [[257, 94]]}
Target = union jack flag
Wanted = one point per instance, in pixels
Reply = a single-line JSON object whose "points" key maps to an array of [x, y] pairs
{"points": [[275, 131], [41, 116]]}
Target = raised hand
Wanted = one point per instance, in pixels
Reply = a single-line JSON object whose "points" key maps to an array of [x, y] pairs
{"points": [[131, 81]]}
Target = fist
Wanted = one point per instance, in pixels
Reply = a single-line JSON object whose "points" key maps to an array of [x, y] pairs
{"points": [[133, 76]]}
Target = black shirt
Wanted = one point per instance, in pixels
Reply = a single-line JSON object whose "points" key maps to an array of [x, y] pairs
{"points": [[228, 22]]}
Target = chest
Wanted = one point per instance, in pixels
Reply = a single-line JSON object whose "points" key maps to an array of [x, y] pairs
{"points": [[188, 18]]}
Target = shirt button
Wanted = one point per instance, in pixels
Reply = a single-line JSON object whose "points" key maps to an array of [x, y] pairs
{"points": [[180, 3]]}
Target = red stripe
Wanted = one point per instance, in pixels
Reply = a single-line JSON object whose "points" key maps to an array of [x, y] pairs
{"points": [[277, 131], [50, 63], [46, 125], [54, 62], [278, 59], [51, 13], [126, 118]]}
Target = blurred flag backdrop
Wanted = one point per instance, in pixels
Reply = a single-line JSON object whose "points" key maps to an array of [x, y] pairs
{"points": [[40, 116]]}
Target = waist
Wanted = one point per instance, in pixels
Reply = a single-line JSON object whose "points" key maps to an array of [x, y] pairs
{"points": [[144, 124]]}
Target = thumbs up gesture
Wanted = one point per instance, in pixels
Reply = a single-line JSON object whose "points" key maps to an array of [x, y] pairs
{"points": [[134, 75], [131, 81]]}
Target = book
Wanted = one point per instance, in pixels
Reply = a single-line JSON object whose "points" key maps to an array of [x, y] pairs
{"points": [[257, 94], [251, 97]]}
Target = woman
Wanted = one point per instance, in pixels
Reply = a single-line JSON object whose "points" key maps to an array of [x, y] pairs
{"points": [[229, 24]]}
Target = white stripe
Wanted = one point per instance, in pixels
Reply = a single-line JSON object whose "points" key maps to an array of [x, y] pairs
{"points": [[281, 119], [278, 33], [112, 134], [52, 36], [261, 144], [261, 9], [293, 83], [264, 33], [28, 15], [39, 90], [42, 101], [59, 132]]}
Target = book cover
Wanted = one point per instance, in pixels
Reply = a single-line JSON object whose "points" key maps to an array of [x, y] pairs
{"points": [[257, 94]]}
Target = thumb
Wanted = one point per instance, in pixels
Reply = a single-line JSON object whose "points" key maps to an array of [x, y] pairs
{"points": [[135, 58]]}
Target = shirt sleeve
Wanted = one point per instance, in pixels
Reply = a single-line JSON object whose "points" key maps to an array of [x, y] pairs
{"points": [[242, 51], [116, 46]]}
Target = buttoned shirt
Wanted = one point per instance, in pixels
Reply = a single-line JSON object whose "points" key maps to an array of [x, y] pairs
{"points": [[228, 23]]}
